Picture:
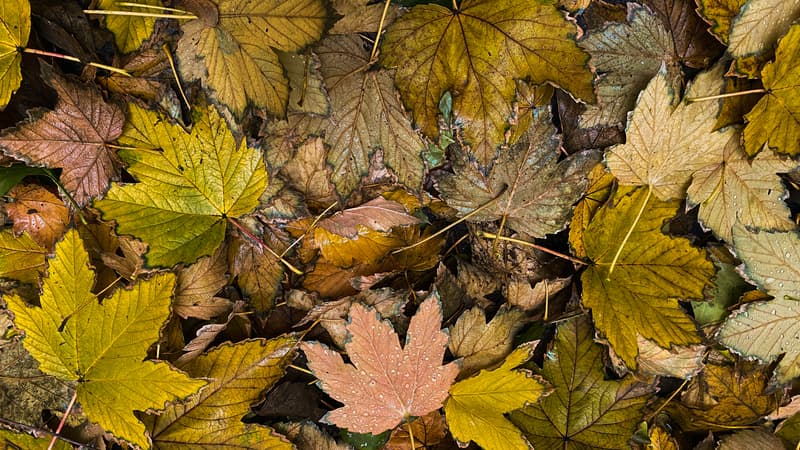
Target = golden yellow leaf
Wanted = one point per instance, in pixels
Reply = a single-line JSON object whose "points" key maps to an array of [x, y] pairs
{"points": [[15, 23], [598, 191], [482, 344], [21, 258], [720, 14], [129, 31]]}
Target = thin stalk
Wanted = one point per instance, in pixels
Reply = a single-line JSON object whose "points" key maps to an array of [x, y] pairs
{"points": [[103, 12], [455, 5], [263, 245], [536, 246], [156, 7], [165, 47], [546, 300], [669, 399], [300, 369], [63, 420], [726, 95], [411, 436], [64, 190], [630, 230], [380, 30], [34, 51], [310, 227]]}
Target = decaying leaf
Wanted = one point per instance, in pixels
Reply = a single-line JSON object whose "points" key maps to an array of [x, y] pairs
{"points": [[361, 16], [427, 431], [385, 384], [15, 26], [751, 440], [75, 136], [720, 14], [586, 410], [482, 344], [600, 186], [189, 182], [21, 258], [677, 362], [39, 212], [258, 273], [759, 24], [307, 92], [478, 50], [476, 407], [520, 294], [101, 347], [638, 273], [197, 286], [692, 44]]}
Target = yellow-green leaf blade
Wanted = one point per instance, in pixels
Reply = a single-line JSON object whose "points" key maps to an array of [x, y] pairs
{"points": [[20, 257], [240, 372], [129, 31], [586, 410], [476, 405], [15, 25]]}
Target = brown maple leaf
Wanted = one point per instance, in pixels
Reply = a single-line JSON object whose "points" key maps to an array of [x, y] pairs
{"points": [[74, 136], [385, 384]]}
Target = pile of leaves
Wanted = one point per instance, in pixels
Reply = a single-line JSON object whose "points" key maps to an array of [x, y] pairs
{"points": [[580, 216]]}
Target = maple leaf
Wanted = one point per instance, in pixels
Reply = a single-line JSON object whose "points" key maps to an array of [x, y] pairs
{"points": [[21, 258], [365, 115], [773, 121], [758, 26], [476, 406], [691, 43], [307, 93], [74, 136], [385, 385], [482, 344], [189, 182], [238, 373], [15, 26], [638, 273], [720, 14], [197, 286], [101, 347], [539, 190], [768, 329], [232, 48], [737, 189], [129, 31], [665, 144], [477, 51], [39, 212], [585, 410]]}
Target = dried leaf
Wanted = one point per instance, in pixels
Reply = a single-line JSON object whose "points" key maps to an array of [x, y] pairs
{"points": [[385, 385], [197, 286], [720, 14], [692, 44], [258, 273], [482, 344], [677, 362], [39, 212], [427, 431], [751, 440], [759, 24], [361, 16], [307, 88], [520, 294]]}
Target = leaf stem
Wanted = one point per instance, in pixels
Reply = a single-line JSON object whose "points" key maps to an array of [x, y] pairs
{"points": [[310, 227], [669, 399], [111, 12], [34, 51], [455, 5], [155, 7], [411, 436], [380, 31], [630, 230], [531, 244], [726, 95], [263, 245], [66, 193], [63, 420], [165, 47]]}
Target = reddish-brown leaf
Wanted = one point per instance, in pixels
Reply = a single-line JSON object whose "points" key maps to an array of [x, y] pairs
{"points": [[39, 212], [385, 384], [74, 136]]}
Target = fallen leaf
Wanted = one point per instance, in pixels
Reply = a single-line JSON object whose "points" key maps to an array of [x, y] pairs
{"points": [[481, 344], [520, 294], [189, 182], [661, 440], [478, 51], [759, 24], [21, 258], [130, 264], [666, 144], [751, 440], [129, 31], [736, 188], [308, 173], [692, 44], [39, 212], [585, 410], [113, 339], [16, 440], [720, 14], [426, 431], [385, 385], [377, 214], [307, 436], [15, 27], [773, 121], [477, 406], [206, 335], [258, 273], [361, 16], [678, 362], [601, 184], [232, 47], [535, 192], [638, 274], [197, 286], [75, 136], [238, 373], [365, 115]]}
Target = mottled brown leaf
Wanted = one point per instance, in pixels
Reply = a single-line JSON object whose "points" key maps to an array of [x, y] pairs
{"points": [[39, 212]]}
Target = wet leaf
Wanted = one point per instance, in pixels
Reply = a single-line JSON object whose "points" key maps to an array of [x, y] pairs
{"points": [[385, 384], [720, 14], [102, 346], [189, 182], [197, 286], [39, 212], [478, 51], [307, 88], [758, 26]]}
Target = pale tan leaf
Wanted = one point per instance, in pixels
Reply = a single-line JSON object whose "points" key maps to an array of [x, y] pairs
{"points": [[759, 25], [677, 362], [306, 88], [197, 286]]}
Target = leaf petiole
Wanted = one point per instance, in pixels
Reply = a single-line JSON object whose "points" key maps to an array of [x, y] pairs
{"points": [[531, 244], [263, 245], [34, 51], [103, 12], [726, 95]]}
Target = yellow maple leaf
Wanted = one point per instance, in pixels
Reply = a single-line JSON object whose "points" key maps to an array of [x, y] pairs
{"points": [[129, 31], [21, 258], [15, 26], [101, 347]]}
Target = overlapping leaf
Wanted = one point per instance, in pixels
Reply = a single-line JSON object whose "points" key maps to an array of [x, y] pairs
{"points": [[101, 347], [15, 26], [129, 31], [720, 14], [482, 344], [477, 51], [638, 274], [586, 410], [759, 24], [189, 182], [231, 48], [21, 258], [539, 190]]}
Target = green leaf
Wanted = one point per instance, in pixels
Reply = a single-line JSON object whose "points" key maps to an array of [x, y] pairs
{"points": [[189, 182], [102, 347], [15, 25], [11, 176], [586, 410]]}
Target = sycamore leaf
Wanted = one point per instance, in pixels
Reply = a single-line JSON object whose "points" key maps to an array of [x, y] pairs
{"points": [[232, 47], [586, 410], [189, 182], [737, 189], [15, 440], [197, 286], [759, 24], [638, 274], [365, 115], [751, 440], [720, 14], [666, 144], [476, 406], [768, 329], [238, 373], [385, 384], [15, 26], [774, 119], [308, 173], [129, 31], [539, 190], [39, 212], [21, 258], [361, 16], [75, 136], [482, 344], [691, 43], [307, 88], [101, 347], [477, 51]]}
